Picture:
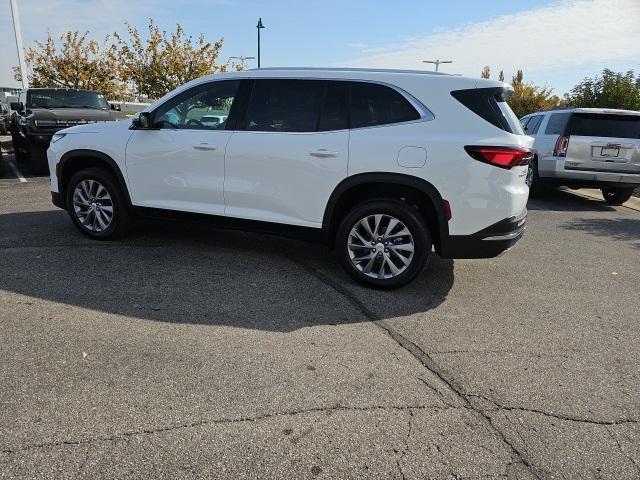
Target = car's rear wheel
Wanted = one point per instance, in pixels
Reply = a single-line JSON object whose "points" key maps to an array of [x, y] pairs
{"points": [[616, 195], [383, 243], [533, 179], [97, 204]]}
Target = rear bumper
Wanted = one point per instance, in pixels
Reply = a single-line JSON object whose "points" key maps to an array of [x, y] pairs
{"points": [[553, 170], [487, 243]]}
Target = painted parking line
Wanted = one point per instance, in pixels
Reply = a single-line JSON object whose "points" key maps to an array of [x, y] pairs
{"points": [[16, 172]]}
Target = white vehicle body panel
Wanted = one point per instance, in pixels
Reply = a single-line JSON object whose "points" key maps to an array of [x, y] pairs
{"points": [[274, 176]]}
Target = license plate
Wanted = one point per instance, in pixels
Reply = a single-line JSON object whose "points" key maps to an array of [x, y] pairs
{"points": [[609, 152]]}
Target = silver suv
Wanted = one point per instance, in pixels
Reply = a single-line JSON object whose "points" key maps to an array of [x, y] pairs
{"points": [[586, 147]]}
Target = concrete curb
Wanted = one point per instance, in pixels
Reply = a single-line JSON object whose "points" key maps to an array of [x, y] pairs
{"points": [[633, 203]]}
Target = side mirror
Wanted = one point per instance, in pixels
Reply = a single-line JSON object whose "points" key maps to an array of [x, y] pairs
{"points": [[143, 121], [17, 106]]}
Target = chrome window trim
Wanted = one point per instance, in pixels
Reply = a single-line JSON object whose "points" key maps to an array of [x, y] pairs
{"points": [[426, 115]]}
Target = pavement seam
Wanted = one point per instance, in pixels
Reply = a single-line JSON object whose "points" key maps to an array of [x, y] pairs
{"points": [[219, 421], [419, 355]]}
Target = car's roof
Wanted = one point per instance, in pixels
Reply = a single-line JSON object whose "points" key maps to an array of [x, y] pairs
{"points": [[602, 111]]}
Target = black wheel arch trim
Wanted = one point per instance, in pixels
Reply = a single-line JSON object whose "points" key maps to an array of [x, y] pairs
{"points": [[94, 154], [385, 177]]}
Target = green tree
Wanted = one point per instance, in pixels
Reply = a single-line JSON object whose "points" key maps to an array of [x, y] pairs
{"points": [[608, 90], [157, 64], [75, 62]]}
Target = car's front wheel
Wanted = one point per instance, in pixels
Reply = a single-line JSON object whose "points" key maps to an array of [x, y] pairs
{"points": [[383, 243], [616, 195], [97, 204]]}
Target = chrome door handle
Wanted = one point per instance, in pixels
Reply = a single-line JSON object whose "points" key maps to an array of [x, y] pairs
{"points": [[322, 153], [205, 146]]}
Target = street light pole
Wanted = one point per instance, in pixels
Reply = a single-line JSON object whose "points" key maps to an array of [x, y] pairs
{"points": [[260, 26], [437, 62], [18, 34]]}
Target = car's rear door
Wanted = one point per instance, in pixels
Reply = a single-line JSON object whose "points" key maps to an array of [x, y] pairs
{"points": [[289, 152], [604, 142]]}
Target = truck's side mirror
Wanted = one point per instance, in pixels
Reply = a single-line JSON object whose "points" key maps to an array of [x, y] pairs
{"points": [[17, 106], [143, 121]]}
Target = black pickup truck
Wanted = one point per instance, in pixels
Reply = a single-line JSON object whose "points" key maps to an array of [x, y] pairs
{"points": [[41, 112]]}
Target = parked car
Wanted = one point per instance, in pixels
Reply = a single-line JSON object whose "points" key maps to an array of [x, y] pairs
{"points": [[41, 112], [5, 119], [586, 147], [385, 166]]}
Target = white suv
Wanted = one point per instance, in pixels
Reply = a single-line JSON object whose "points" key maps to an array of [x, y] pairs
{"points": [[586, 147], [385, 166]]}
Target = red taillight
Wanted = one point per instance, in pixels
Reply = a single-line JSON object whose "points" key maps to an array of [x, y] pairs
{"points": [[446, 206], [562, 144], [503, 157]]}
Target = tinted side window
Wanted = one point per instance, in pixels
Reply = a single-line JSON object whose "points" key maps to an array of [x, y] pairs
{"points": [[284, 105], [557, 123], [524, 121], [534, 124], [373, 104], [334, 114], [204, 107]]}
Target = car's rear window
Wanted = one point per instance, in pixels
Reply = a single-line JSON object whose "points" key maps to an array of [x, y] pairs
{"points": [[598, 125], [491, 104]]}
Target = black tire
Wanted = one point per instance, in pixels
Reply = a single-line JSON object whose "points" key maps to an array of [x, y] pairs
{"points": [[37, 158], [617, 195], [121, 221], [533, 178], [18, 152], [414, 222]]}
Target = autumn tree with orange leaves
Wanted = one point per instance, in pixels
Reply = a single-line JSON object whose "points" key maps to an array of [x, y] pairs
{"points": [[124, 66]]}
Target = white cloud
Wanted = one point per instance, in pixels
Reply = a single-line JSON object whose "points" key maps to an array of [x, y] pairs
{"points": [[564, 34]]}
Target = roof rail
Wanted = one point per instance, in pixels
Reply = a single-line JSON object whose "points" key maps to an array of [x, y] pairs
{"points": [[349, 69]]}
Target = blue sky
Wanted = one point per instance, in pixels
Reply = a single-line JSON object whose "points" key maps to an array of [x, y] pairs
{"points": [[557, 43]]}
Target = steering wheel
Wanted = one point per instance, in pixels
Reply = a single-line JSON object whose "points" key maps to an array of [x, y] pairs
{"points": [[193, 121]]}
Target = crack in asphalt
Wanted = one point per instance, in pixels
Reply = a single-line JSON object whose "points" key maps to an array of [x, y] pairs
{"points": [[558, 416], [631, 459], [218, 421], [419, 355]]}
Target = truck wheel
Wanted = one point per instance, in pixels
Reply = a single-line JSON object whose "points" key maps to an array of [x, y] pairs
{"points": [[96, 203], [617, 195], [17, 149], [383, 243], [37, 157]]}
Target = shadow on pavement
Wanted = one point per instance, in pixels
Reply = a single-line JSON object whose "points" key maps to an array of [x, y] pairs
{"points": [[624, 229], [185, 273], [562, 201]]}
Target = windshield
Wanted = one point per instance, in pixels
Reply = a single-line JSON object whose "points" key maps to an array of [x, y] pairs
{"points": [[66, 99], [594, 125]]}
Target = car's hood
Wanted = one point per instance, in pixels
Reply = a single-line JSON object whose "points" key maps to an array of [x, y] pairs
{"points": [[120, 124], [82, 115]]}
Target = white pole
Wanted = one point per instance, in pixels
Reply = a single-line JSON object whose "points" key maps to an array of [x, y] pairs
{"points": [[18, 32]]}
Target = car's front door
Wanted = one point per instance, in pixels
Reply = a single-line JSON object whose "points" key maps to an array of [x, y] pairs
{"points": [[290, 151], [179, 164]]}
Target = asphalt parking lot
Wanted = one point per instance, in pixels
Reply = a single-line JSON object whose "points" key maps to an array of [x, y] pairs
{"points": [[189, 352]]}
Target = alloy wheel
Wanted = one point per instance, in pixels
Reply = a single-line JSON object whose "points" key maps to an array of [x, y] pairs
{"points": [[93, 205], [380, 246]]}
